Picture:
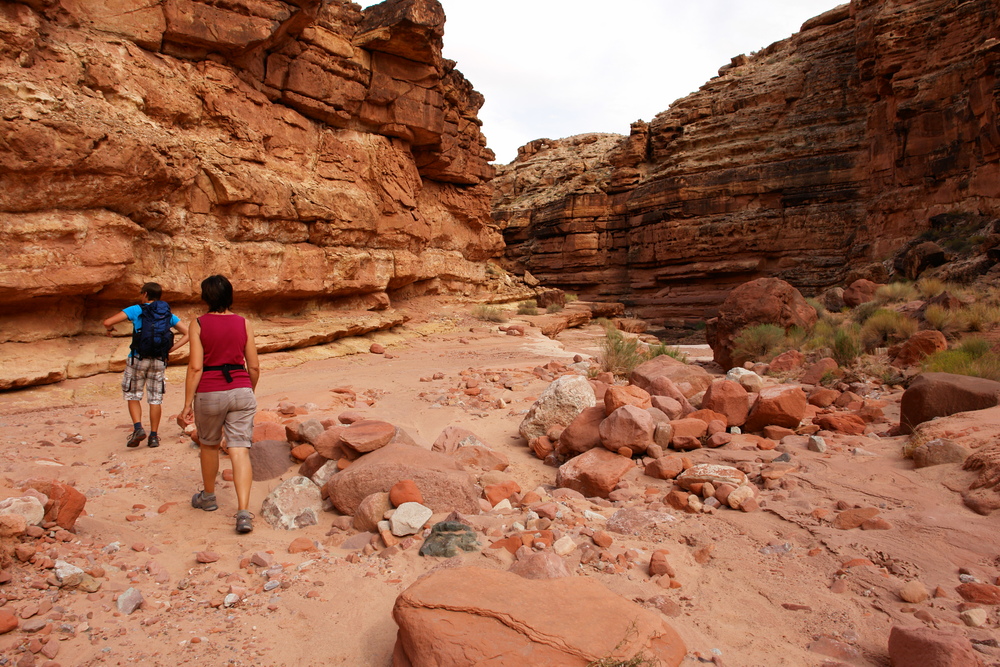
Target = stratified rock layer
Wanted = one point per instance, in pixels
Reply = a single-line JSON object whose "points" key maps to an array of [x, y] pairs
{"points": [[816, 155], [319, 155]]}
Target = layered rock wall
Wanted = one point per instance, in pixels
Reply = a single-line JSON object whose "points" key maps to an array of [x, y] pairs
{"points": [[821, 153], [319, 155]]}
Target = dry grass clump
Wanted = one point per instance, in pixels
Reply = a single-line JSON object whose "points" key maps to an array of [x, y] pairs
{"points": [[758, 342], [488, 313], [886, 327], [554, 308], [978, 317], [930, 287], [527, 307], [620, 354], [900, 292], [940, 318]]}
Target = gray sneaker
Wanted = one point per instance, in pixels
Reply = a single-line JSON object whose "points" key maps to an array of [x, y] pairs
{"points": [[244, 521], [204, 501], [135, 437]]}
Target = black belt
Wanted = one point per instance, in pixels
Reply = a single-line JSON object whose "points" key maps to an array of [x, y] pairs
{"points": [[226, 368]]}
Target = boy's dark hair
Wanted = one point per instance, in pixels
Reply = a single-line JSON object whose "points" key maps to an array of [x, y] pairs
{"points": [[217, 292], [153, 291]]}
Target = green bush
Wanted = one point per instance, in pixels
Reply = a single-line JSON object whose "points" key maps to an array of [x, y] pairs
{"points": [[553, 308], [845, 346], [974, 346], [960, 362], [886, 327], [570, 298], [527, 307], [670, 351], [488, 313], [862, 312], [757, 342]]}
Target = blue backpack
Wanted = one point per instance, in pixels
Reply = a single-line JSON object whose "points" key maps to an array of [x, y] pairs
{"points": [[156, 337]]}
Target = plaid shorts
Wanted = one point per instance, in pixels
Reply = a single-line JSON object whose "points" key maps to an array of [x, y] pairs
{"points": [[144, 373], [231, 411]]}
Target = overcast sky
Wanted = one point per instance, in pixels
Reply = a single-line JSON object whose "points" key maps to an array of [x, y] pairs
{"points": [[555, 68]]}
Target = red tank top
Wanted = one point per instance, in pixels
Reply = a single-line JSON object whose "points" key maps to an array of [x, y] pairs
{"points": [[224, 338]]}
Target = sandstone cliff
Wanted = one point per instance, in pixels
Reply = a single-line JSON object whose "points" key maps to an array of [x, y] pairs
{"points": [[821, 153], [320, 155]]}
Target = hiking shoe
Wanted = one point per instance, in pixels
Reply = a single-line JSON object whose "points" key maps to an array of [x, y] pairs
{"points": [[136, 437], [244, 521], [154, 440], [204, 501]]}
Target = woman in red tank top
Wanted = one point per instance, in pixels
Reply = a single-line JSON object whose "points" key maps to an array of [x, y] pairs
{"points": [[219, 395]]}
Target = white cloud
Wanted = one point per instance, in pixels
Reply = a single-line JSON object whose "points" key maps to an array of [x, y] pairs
{"points": [[554, 68]]}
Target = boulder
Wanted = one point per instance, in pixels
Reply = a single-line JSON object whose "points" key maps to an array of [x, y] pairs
{"points": [[939, 451], [628, 426], [921, 646], [933, 395], [918, 346], [818, 370], [270, 459], [712, 473], [781, 405], [687, 380], [445, 486], [618, 395], [594, 473], [729, 399], [65, 503], [367, 435], [560, 403], [505, 619], [840, 422], [583, 433], [859, 292], [921, 257], [760, 301]]}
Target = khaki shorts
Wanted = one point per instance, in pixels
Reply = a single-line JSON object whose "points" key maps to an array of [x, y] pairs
{"points": [[231, 411]]}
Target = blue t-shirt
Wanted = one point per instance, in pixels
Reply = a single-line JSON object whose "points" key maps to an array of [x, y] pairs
{"points": [[134, 314]]}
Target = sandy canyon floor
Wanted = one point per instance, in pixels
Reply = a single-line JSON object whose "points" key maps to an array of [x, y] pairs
{"points": [[779, 586]]}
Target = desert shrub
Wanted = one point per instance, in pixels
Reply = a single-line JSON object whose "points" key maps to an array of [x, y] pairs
{"points": [[670, 351], [570, 298], [862, 312], [527, 307], [846, 346], [930, 287], [973, 357], [619, 354], [795, 338], [978, 317], [895, 293], [553, 308], [821, 336], [938, 317], [886, 327], [817, 306], [974, 346], [488, 313], [757, 342]]}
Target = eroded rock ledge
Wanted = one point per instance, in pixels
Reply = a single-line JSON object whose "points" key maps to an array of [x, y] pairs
{"points": [[322, 156], [816, 156]]}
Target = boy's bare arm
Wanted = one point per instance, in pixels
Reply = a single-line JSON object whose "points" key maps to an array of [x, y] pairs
{"points": [[183, 328], [109, 324]]}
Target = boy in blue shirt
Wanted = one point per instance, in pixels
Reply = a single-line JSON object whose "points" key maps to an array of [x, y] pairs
{"points": [[145, 372]]}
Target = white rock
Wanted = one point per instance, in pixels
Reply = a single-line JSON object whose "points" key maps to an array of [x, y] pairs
{"points": [[564, 545], [68, 574], [27, 506], [559, 404], [975, 618], [409, 518]]}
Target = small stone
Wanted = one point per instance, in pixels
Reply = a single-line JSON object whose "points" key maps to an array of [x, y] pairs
{"points": [[914, 592], [817, 444], [129, 601], [974, 618], [206, 557]]}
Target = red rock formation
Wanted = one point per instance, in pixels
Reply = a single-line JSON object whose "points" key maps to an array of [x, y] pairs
{"points": [[819, 153], [318, 154]]}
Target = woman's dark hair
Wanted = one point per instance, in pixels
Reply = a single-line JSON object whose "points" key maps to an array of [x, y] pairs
{"points": [[217, 292], [153, 291]]}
